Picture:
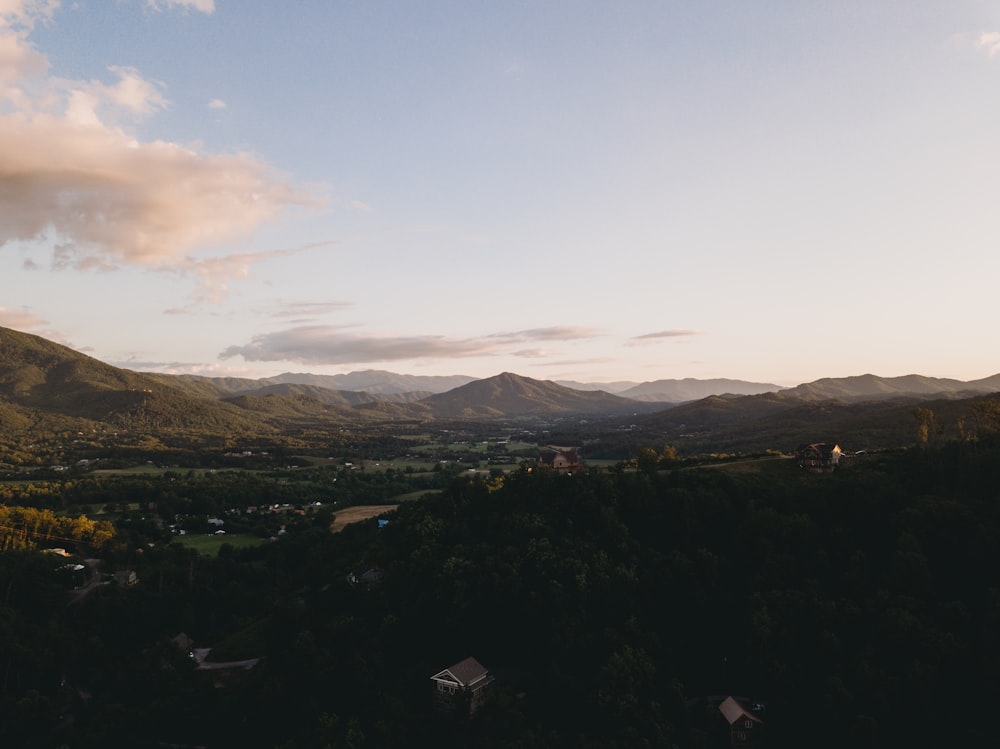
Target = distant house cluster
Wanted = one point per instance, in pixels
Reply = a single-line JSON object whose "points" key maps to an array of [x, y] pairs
{"points": [[819, 457]]}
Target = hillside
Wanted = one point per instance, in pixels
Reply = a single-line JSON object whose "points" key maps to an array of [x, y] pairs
{"points": [[44, 383], [872, 387], [509, 394], [781, 421]]}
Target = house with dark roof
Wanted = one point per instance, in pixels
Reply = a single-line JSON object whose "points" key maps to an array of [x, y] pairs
{"points": [[461, 688], [819, 457], [746, 724]]}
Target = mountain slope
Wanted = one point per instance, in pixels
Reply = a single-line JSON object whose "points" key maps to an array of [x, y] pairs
{"points": [[872, 387], [509, 394], [40, 378]]}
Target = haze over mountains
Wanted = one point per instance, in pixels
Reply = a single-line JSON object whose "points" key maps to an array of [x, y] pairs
{"points": [[44, 383]]}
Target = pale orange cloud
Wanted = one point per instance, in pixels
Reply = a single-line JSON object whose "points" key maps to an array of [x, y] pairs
{"points": [[20, 320], [989, 41], [72, 176]]}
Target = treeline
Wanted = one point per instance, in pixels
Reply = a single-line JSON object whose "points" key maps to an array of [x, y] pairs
{"points": [[28, 528]]}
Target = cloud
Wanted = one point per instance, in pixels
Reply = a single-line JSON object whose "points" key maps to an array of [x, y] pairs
{"points": [[564, 333], [331, 345], [137, 364], [309, 309], [71, 175], [989, 41], [18, 57], [217, 104], [649, 338], [21, 320], [319, 344], [205, 6], [26, 13], [215, 273]]}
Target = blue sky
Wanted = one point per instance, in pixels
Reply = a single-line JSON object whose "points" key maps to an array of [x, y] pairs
{"points": [[769, 191]]}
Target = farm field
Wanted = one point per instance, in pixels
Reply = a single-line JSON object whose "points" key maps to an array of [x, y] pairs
{"points": [[343, 518], [209, 545]]}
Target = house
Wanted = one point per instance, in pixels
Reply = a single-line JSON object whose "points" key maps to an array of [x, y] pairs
{"points": [[126, 578], [462, 687], [746, 727], [564, 459], [221, 673], [819, 457]]}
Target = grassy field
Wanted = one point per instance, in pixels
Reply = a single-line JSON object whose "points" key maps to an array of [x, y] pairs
{"points": [[209, 545], [772, 464]]}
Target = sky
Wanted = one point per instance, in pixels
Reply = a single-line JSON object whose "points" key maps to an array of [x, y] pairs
{"points": [[773, 190]]}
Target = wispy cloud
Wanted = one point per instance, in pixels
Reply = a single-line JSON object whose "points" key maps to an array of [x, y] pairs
{"points": [[990, 42], [309, 309], [332, 345], [214, 274], [323, 344], [217, 104], [660, 335], [22, 320], [558, 333], [205, 6], [138, 364], [72, 175]]}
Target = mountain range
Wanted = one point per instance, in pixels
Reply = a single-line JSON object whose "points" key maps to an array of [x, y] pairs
{"points": [[46, 386]]}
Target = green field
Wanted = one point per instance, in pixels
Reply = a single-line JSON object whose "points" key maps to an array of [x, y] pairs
{"points": [[209, 545]]}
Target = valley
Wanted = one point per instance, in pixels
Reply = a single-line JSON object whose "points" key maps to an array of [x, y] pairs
{"points": [[189, 563]]}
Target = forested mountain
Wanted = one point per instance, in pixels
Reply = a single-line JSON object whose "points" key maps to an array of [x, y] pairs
{"points": [[782, 421], [871, 387], [42, 382], [509, 394]]}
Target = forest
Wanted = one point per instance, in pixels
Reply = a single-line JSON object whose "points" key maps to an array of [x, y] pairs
{"points": [[614, 608]]}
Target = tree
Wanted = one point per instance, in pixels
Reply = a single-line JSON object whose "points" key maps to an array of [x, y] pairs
{"points": [[925, 425]]}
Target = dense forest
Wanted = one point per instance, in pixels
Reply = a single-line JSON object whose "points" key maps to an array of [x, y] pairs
{"points": [[613, 607]]}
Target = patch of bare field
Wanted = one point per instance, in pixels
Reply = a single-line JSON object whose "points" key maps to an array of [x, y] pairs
{"points": [[342, 518]]}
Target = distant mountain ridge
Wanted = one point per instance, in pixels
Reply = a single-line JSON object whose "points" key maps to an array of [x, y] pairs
{"points": [[675, 391], [872, 387], [373, 381], [46, 386]]}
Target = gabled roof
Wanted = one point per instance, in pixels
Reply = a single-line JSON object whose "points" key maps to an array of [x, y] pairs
{"points": [[826, 449], [550, 453], [464, 673], [733, 710]]}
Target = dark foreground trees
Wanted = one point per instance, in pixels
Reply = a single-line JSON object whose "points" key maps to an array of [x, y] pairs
{"points": [[612, 608]]}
